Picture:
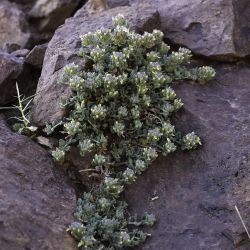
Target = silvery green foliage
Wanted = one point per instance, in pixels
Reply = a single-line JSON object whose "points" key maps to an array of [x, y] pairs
{"points": [[120, 111]]}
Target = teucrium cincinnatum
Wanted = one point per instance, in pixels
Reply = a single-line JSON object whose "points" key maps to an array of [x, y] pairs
{"points": [[120, 111]]}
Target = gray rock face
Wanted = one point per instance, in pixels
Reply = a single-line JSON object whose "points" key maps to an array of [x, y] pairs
{"points": [[36, 202], [52, 13], [14, 29], [216, 28], [198, 190], [36, 56], [116, 3], [22, 1], [242, 26], [21, 53], [10, 69], [63, 49]]}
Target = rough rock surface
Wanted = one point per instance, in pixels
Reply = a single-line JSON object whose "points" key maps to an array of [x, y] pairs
{"points": [[49, 14], [10, 69], [14, 28], [36, 55], [216, 28], [36, 202], [198, 190], [116, 3], [63, 49], [24, 5], [23, 1], [21, 53]]}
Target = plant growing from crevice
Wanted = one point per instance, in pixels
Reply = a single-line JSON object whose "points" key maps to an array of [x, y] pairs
{"points": [[120, 110], [23, 107]]}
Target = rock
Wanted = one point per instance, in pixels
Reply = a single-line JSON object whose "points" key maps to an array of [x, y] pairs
{"points": [[64, 47], [11, 68], [36, 202], [216, 28], [36, 55], [26, 6], [197, 190], [242, 27], [79, 167], [11, 47], [116, 3], [21, 53], [14, 69], [23, 1], [14, 28], [49, 14]]}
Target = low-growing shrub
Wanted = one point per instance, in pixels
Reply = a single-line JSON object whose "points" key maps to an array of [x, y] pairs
{"points": [[120, 110]]}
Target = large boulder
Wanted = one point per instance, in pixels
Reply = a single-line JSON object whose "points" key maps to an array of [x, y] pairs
{"points": [[197, 191], [214, 28], [36, 201], [11, 68], [49, 14], [14, 29], [64, 47]]}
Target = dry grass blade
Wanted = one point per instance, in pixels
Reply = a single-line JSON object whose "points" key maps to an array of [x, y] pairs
{"points": [[242, 222]]}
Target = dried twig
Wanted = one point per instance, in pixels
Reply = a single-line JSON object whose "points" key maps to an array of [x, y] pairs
{"points": [[242, 222]]}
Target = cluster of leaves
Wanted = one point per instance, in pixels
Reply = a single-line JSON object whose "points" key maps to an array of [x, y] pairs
{"points": [[121, 106]]}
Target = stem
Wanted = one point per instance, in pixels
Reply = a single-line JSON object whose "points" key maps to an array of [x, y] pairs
{"points": [[242, 222], [58, 124], [93, 125], [157, 118], [87, 170], [20, 107], [135, 223]]}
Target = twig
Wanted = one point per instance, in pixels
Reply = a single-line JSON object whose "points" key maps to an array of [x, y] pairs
{"points": [[242, 222], [21, 108]]}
